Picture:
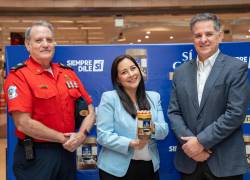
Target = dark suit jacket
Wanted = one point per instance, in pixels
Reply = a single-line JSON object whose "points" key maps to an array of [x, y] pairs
{"points": [[217, 121]]}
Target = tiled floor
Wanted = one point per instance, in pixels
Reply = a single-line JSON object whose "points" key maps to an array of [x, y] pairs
{"points": [[3, 145]]}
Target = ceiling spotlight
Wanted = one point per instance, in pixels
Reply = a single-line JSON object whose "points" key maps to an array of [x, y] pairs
{"points": [[138, 40], [148, 32], [171, 37], [248, 30], [147, 37]]}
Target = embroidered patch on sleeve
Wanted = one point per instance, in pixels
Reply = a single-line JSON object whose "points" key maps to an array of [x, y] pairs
{"points": [[12, 92]]}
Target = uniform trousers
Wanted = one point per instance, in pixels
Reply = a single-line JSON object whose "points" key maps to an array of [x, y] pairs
{"points": [[138, 169], [202, 172], [52, 162]]}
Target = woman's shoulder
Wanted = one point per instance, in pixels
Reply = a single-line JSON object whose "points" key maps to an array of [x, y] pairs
{"points": [[110, 94], [153, 94], [110, 97]]}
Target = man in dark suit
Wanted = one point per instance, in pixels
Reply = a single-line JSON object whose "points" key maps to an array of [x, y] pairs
{"points": [[207, 107]]}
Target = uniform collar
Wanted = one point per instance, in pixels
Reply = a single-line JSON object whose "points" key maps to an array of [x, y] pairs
{"points": [[34, 66]]}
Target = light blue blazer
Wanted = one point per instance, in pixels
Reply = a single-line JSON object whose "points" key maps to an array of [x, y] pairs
{"points": [[116, 128]]}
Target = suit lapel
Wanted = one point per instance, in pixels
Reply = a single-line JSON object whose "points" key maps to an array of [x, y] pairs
{"points": [[214, 74], [193, 84]]}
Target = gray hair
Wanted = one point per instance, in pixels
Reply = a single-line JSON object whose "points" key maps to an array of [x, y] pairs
{"points": [[206, 17], [38, 23]]}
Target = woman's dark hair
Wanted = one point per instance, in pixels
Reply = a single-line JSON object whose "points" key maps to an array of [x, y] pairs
{"points": [[127, 103]]}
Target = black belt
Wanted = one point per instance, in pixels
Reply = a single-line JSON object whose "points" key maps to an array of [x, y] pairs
{"points": [[42, 144]]}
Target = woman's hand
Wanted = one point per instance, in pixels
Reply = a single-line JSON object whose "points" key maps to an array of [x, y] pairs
{"points": [[138, 143]]}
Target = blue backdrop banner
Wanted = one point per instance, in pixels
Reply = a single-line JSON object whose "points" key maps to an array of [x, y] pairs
{"points": [[93, 64]]}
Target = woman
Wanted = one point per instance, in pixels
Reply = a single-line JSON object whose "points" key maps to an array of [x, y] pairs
{"points": [[123, 155]]}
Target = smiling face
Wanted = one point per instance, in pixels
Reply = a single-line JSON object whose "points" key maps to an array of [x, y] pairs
{"points": [[41, 45], [128, 75], [206, 39]]}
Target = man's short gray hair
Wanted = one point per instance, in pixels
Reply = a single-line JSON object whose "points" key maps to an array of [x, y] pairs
{"points": [[38, 23], [206, 17]]}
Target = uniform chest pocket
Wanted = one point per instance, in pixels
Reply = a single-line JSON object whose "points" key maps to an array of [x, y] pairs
{"points": [[44, 101]]}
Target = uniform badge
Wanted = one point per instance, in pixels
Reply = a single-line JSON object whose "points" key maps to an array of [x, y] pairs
{"points": [[12, 92], [43, 86], [71, 84], [67, 77], [75, 84], [68, 84], [68, 81]]}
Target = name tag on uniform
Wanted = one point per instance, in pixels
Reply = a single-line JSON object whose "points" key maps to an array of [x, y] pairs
{"points": [[43, 86]]}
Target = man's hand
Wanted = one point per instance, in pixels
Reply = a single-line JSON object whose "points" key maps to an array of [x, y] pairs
{"points": [[203, 156], [75, 140], [138, 143], [192, 147]]}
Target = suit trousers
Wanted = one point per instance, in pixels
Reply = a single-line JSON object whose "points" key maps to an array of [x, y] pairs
{"points": [[138, 169], [202, 172]]}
